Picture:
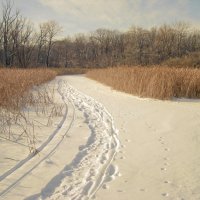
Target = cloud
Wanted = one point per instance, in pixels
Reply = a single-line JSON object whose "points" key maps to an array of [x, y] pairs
{"points": [[119, 12], [88, 15], [92, 14], [108, 11]]}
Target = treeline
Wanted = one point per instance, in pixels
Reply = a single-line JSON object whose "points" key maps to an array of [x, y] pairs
{"points": [[137, 46], [21, 45]]}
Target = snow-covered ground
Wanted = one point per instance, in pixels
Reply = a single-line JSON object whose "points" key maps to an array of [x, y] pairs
{"points": [[108, 145]]}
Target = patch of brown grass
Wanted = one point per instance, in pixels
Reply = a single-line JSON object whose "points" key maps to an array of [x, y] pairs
{"points": [[154, 82], [14, 83], [190, 60]]}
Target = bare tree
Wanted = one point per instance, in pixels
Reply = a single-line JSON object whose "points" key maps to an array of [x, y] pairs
{"points": [[9, 17], [25, 45], [41, 40], [53, 28]]}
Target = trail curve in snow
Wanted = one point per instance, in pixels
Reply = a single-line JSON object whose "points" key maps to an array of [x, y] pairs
{"points": [[92, 166]]}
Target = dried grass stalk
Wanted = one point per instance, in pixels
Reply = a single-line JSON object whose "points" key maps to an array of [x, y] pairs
{"points": [[154, 82]]}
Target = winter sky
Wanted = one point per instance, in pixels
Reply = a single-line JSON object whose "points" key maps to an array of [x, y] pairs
{"points": [[81, 16]]}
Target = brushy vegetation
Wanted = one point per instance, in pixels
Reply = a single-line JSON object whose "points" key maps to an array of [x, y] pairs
{"points": [[154, 82], [21, 95], [15, 83], [189, 60]]}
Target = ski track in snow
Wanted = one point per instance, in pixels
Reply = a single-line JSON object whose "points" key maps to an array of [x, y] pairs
{"points": [[44, 145], [92, 167], [39, 149]]}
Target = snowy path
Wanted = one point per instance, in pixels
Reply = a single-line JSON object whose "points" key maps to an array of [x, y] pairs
{"points": [[92, 165], [160, 145], [157, 157], [89, 169]]}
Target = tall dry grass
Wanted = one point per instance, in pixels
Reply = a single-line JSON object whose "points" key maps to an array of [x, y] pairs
{"points": [[154, 82], [189, 60], [14, 83], [19, 95]]}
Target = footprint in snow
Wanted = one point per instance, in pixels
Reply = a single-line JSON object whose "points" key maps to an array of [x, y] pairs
{"points": [[167, 149], [49, 162], [166, 164], [167, 182], [123, 146], [165, 194], [165, 158], [118, 174], [105, 187]]}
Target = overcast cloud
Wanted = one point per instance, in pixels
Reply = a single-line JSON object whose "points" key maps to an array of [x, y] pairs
{"points": [[87, 15]]}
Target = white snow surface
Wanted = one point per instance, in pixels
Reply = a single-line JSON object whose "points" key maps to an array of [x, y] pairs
{"points": [[153, 156], [92, 165], [90, 168]]}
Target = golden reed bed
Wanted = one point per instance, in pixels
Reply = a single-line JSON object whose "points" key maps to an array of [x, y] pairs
{"points": [[154, 82], [14, 83]]}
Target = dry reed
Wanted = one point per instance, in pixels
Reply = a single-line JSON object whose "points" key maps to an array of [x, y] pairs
{"points": [[189, 60], [18, 96], [154, 82], [14, 83]]}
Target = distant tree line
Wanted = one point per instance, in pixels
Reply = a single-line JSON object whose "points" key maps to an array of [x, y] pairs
{"points": [[24, 46]]}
